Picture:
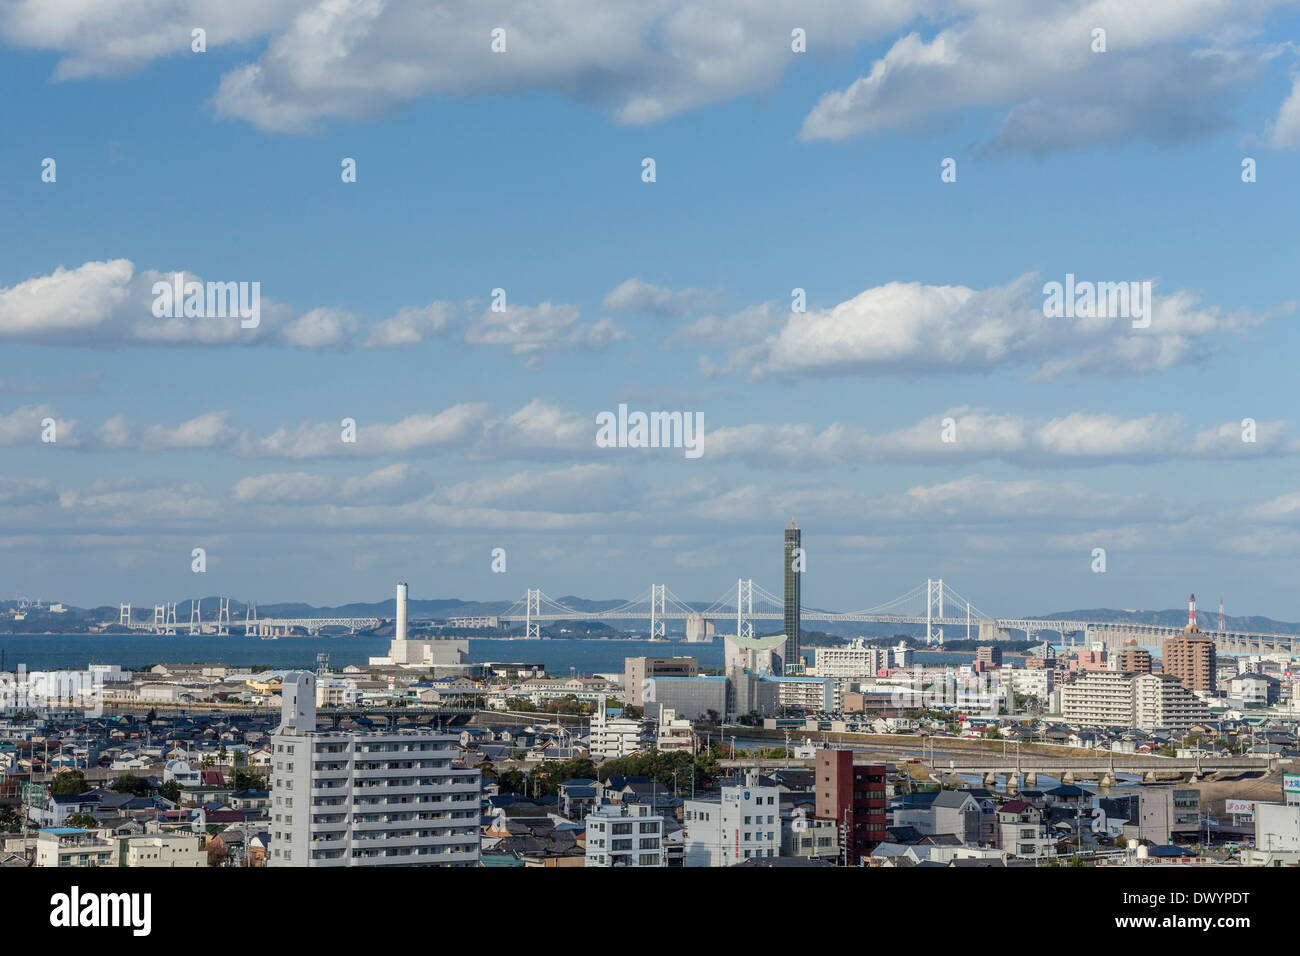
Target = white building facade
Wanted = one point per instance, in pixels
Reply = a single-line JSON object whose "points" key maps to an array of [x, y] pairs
{"points": [[744, 823], [367, 799]]}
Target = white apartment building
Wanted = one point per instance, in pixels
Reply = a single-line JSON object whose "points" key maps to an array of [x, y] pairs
{"points": [[855, 660], [613, 737], [1161, 700], [392, 798], [814, 695], [337, 692], [741, 824], [674, 733], [1036, 682], [72, 847], [625, 835], [1104, 698], [161, 850]]}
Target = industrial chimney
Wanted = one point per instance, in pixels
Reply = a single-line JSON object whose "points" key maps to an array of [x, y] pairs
{"points": [[1191, 613], [401, 611]]}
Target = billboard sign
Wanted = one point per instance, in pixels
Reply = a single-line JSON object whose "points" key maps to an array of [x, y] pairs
{"points": [[1240, 808], [1291, 783]]}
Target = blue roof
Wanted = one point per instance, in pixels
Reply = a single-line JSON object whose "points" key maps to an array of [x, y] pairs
{"points": [[64, 831]]}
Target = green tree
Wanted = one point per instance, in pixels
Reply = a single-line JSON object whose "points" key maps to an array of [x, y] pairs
{"points": [[83, 821], [130, 783], [247, 780], [171, 790], [68, 783]]}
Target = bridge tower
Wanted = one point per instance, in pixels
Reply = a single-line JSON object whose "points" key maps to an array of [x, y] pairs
{"points": [[250, 619], [223, 617], [656, 610], [159, 618], [933, 601], [124, 614], [533, 629], [744, 607], [196, 617], [170, 624]]}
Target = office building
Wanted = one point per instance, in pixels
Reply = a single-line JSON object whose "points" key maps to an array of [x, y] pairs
{"points": [[743, 822], [388, 798], [694, 698], [638, 670], [794, 565], [852, 796], [854, 660], [625, 835]]}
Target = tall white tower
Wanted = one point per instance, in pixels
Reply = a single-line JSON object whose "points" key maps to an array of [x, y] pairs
{"points": [[401, 611]]}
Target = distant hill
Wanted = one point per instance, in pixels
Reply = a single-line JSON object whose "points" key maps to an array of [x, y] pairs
{"points": [[1206, 620], [441, 608]]}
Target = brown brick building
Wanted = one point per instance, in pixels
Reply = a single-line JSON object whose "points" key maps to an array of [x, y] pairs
{"points": [[1190, 655], [854, 797]]}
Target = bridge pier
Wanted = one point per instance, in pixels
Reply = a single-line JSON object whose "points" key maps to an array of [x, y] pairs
{"points": [[1013, 782], [1067, 778], [1031, 781], [1106, 780], [991, 779]]}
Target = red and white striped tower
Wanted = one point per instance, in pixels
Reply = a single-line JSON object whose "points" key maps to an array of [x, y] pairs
{"points": [[1191, 612]]}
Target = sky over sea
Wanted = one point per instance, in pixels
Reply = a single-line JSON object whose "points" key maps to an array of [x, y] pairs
{"points": [[835, 260]]}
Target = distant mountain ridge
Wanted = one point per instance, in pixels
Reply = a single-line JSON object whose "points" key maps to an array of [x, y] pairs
{"points": [[421, 608]]}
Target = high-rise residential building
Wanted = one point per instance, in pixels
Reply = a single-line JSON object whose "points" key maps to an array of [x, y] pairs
{"points": [[853, 796], [1161, 700], [1099, 697], [742, 823], [1134, 659], [988, 655], [1190, 656], [794, 563], [638, 670], [349, 798], [1144, 701], [625, 835]]}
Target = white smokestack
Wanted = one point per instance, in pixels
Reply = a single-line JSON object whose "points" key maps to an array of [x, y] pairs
{"points": [[401, 610]]}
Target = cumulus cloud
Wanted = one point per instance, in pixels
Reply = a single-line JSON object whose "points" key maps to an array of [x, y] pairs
{"points": [[109, 304], [913, 328], [1168, 69]]}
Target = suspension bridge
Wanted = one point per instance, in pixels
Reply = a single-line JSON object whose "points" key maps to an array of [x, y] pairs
{"points": [[931, 603], [164, 622]]}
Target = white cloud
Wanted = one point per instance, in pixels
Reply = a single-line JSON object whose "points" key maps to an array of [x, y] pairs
{"points": [[912, 328], [635, 296], [1169, 68]]}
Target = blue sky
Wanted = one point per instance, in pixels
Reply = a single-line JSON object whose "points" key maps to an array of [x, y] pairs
{"points": [[775, 170]]}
